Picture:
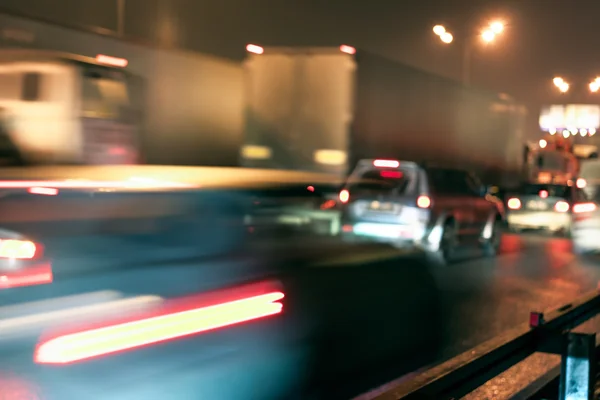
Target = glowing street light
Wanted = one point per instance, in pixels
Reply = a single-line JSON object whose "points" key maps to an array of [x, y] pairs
{"points": [[439, 30], [564, 87], [561, 84], [488, 35], [446, 37], [497, 27], [594, 86]]}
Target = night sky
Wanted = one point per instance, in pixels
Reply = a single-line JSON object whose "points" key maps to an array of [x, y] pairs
{"points": [[543, 38]]}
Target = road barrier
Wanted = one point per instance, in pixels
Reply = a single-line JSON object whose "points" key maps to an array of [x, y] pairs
{"points": [[547, 333]]}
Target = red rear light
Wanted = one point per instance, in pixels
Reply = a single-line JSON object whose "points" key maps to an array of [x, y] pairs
{"points": [[19, 249], [423, 202], [29, 276], [169, 323], [252, 48], [544, 194], [46, 191], [514, 203], [329, 204], [584, 208], [344, 196], [112, 61], [386, 163], [347, 49], [391, 174], [561, 206]]}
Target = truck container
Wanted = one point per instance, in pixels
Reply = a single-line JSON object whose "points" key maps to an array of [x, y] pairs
{"points": [[323, 109], [191, 107]]}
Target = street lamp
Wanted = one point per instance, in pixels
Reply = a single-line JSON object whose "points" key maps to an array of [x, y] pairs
{"points": [[488, 35], [446, 37], [595, 85], [439, 30], [561, 84], [497, 27]]}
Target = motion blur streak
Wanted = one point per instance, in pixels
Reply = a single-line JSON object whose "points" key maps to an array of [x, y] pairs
{"points": [[38, 275], [111, 339], [18, 324], [43, 191], [89, 184]]}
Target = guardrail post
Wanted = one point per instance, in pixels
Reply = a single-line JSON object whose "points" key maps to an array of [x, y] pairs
{"points": [[577, 378]]}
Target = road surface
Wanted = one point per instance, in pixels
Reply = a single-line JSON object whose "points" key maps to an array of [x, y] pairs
{"points": [[485, 297], [481, 297]]}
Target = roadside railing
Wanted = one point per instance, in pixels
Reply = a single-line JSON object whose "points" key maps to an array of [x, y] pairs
{"points": [[546, 333]]}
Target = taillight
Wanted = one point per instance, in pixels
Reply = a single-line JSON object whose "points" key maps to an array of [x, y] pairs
{"points": [[344, 196], [391, 174], [544, 194], [514, 203], [46, 191], [19, 249], [561, 206], [423, 202], [169, 323], [584, 208], [386, 163]]}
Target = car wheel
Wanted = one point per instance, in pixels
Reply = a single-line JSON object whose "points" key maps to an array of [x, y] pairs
{"points": [[448, 243], [491, 246]]}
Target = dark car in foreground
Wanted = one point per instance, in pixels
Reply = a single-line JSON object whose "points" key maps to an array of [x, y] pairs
{"points": [[164, 287]]}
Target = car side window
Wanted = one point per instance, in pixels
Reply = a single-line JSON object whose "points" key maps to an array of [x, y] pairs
{"points": [[474, 183], [463, 184], [441, 181]]}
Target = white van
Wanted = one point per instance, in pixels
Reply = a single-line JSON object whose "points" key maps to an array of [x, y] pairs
{"points": [[64, 109], [590, 173], [552, 166]]}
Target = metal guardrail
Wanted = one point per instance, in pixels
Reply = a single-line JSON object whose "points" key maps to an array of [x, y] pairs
{"points": [[550, 333]]}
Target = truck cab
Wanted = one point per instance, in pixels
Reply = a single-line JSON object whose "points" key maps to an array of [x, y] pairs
{"points": [[64, 109]]}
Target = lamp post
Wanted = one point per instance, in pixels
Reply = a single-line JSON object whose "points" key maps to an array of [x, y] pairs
{"points": [[487, 35]]}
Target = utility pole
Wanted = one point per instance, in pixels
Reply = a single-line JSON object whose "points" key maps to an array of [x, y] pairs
{"points": [[121, 18]]}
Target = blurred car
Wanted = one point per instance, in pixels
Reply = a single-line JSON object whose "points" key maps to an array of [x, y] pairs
{"points": [[540, 206], [407, 204], [160, 291], [589, 176], [585, 231]]}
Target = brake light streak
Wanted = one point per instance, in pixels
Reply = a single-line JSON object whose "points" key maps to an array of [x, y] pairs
{"points": [[155, 329]]}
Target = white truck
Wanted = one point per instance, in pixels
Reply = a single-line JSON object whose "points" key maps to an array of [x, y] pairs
{"points": [[58, 108]]}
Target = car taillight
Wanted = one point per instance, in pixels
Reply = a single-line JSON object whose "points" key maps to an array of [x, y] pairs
{"points": [[386, 163], [344, 196], [514, 203], [561, 206], [581, 208], [194, 316], [19, 249], [544, 194], [391, 174], [45, 191], [423, 202]]}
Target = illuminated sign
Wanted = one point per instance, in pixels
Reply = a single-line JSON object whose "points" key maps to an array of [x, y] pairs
{"points": [[570, 116]]}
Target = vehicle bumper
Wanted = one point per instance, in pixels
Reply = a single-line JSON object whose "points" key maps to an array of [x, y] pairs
{"points": [[546, 220], [399, 235], [585, 241]]}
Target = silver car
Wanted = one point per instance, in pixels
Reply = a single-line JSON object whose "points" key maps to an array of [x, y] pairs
{"points": [[586, 221], [406, 204], [538, 206]]}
